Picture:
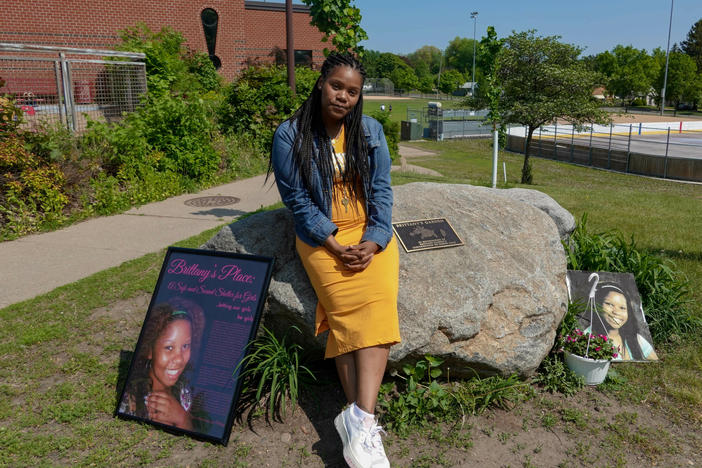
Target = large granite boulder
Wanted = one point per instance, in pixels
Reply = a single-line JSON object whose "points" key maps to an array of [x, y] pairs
{"points": [[562, 217], [491, 305]]}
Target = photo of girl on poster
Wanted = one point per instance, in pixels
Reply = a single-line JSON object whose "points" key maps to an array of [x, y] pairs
{"points": [[618, 312], [159, 387], [617, 319]]}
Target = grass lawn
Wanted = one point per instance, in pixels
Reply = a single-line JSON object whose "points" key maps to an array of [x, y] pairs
{"points": [[664, 217], [400, 106], [59, 352]]}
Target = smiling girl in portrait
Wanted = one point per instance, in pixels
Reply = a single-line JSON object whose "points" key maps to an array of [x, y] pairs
{"points": [[159, 389], [618, 319], [332, 169]]}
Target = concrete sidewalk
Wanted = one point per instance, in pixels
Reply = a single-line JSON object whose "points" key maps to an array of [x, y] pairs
{"points": [[39, 263]]}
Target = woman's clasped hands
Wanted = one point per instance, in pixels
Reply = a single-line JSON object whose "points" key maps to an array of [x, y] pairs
{"points": [[354, 257]]}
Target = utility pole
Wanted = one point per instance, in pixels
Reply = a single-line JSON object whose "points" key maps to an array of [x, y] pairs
{"points": [[290, 44], [667, 54], [474, 15]]}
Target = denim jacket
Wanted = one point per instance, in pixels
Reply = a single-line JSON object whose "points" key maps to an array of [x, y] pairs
{"points": [[311, 210]]}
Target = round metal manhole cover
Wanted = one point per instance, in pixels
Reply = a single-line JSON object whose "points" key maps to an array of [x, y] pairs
{"points": [[206, 202]]}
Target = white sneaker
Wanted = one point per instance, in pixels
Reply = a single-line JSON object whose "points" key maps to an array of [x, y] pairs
{"points": [[363, 447]]}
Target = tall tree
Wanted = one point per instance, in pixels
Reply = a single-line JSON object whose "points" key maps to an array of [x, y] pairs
{"points": [[339, 20], [542, 80], [684, 84], [459, 54], [488, 48], [426, 57], [451, 80], [692, 45], [629, 71]]}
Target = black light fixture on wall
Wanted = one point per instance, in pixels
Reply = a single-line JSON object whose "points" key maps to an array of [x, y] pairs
{"points": [[210, 19]]}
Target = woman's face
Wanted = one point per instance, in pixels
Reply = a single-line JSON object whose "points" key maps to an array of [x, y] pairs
{"points": [[170, 354], [615, 310], [340, 93]]}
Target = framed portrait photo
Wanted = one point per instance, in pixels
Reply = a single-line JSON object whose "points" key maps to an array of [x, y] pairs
{"points": [[184, 373], [617, 312]]}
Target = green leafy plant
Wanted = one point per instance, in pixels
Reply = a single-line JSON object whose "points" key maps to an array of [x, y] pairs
{"points": [[260, 99], [339, 20], [664, 291], [589, 346], [273, 369], [555, 376], [32, 191], [421, 401], [10, 115], [419, 398], [391, 130], [478, 394]]}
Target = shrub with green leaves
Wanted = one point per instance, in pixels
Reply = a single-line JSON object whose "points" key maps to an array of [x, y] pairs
{"points": [[260, 99], [170, 66], [273, 370], [664, 291], [391, 130], [31, 190], [10, 115]]}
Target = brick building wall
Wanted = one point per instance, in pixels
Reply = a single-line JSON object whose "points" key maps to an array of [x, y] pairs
{"points": [[264, 29], [247, 31]]}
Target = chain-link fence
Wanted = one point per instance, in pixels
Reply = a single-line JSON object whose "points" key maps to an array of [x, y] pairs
{"points": [[666, 149], [436, 123], [67, 86], [379, 86]]}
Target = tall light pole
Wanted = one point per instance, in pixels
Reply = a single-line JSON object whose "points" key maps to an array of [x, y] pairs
{"points": [[667, 54], [474, 16], [438, 84]]}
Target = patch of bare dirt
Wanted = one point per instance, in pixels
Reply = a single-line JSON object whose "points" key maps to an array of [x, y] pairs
{"points": [[591, 428]]}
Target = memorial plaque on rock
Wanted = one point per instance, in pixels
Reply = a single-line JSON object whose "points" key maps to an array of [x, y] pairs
{"points": [[184, 374], [425, 234]]}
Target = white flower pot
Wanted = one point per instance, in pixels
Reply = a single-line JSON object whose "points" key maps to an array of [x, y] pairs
{"points": [[593, 370]]}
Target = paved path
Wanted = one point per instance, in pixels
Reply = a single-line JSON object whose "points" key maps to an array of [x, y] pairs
{"points": [[39, 263], [409, 152]]}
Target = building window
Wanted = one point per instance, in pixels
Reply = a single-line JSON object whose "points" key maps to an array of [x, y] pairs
{"points": [[303, 58], [210, 20]]}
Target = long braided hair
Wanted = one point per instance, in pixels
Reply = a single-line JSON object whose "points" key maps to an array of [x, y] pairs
{"points": [[311, 130]]}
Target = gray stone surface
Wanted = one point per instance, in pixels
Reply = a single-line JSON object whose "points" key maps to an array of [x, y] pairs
{"points": [[491, 305], [562, 217]]}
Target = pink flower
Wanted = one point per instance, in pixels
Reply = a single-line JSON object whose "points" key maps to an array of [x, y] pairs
{"points": [[598, 348], [615, 355], [604, 337]]}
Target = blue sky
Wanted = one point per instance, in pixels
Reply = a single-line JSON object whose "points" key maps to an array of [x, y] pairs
{"points": [[402, 26]]}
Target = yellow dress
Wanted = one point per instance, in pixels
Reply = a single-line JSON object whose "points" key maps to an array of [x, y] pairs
{"points": [[358, 308]]}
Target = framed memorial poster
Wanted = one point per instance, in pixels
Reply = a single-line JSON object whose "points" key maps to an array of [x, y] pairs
{"points": [[617, 312], [184, 374]]}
